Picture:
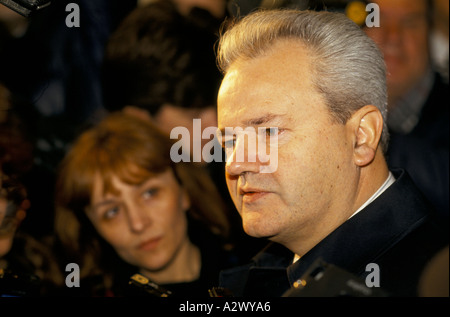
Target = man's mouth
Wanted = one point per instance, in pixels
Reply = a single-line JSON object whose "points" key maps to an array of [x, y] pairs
{"points": [[250, 195]]}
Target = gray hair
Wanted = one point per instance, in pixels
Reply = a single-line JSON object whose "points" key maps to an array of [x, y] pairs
{"points": [[349, 69]]}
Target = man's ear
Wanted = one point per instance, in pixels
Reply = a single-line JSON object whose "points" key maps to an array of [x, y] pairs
{"points": [[366, 125]]}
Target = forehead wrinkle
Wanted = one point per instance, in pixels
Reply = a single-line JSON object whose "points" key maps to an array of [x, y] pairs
{"points": [[286, 101], [268, 119], [264, 119]]}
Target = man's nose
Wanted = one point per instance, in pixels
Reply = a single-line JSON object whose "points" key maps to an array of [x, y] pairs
{"points": [[243, 157], [392, 34]]}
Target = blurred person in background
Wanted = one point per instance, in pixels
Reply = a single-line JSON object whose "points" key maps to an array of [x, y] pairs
{"points": [[216, 8], [440, 37], [52, 73], [124, 207], [418, 98], [160, 65], [27, 264]]}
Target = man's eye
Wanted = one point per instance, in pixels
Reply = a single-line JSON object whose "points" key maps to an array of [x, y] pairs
{"points": [[413, 22], [271, 132], [229, 143]]}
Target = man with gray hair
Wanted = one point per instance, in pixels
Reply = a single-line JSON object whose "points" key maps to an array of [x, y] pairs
{"points": [[316, 82]]}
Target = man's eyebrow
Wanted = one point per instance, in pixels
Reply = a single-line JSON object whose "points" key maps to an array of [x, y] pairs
{"points": [[264, 119]]}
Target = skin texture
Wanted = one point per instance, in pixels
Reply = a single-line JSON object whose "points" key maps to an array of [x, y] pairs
{"points": [[323, 167], [147, 226]]}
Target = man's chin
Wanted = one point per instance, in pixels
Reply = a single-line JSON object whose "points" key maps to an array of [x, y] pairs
{"points": [[258, 231]]}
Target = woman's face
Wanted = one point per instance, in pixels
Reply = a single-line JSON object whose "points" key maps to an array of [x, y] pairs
{"points": [[146, 223]]}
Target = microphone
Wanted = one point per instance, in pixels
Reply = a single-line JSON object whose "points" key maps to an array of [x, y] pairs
{"points": [[26, 7]]}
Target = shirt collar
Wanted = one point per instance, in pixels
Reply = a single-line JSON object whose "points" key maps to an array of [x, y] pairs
{"points": [[389, 181]]}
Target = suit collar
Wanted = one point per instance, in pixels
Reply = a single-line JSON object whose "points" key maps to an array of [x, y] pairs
{"points": [[357, 242], [367, 235]]}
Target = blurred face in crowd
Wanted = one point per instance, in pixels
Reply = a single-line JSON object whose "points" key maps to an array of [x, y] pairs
{"points": [[6, 233], [170, 117], [315, 177], [403, 38], [145, 223], [11, 212], [10, 218]]}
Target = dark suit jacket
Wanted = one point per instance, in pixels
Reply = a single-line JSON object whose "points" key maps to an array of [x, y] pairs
{"points": [[424, 152], [397, 231]]}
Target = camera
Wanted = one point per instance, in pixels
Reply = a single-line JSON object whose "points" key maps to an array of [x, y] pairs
{"points": [[26, 7]]}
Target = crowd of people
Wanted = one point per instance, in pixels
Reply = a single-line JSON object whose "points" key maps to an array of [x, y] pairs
{"points": [[359, 116]]}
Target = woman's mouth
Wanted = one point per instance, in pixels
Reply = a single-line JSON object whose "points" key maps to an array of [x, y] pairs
{"points": [[150, 244]]}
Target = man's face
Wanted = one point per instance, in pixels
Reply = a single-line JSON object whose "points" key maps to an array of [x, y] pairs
{"points": [[403, 38], [315, 178]]}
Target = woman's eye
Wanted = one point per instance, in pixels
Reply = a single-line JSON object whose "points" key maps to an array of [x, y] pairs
{"points": [[149, 193], [111, 212]]}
